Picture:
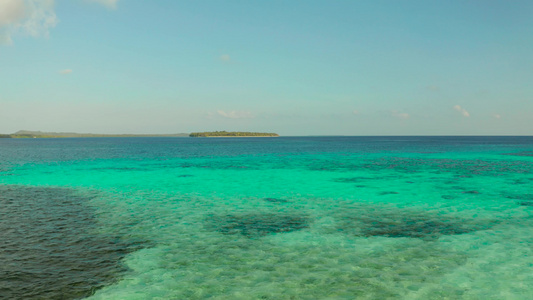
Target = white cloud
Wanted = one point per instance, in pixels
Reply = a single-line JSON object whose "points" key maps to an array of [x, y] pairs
{"points": [[31, 17], [11, 11], [112, 4], [355, 112], [497, 116], [462, 110], [235, 114], [400, 115], [65, 71], [225, 57]]}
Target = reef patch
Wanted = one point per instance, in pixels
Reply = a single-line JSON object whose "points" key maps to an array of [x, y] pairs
{"points": [[523, 153], [520, 197], [388, 193], [275, 200], [471, 192], [51, 247], [253, 225], [402, 223]]}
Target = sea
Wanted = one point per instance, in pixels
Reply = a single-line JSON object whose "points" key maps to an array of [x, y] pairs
{"points": [[267, 218]]}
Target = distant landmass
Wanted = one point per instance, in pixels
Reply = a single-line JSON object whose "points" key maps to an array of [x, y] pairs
{"points": [[41, 134], [232, 134]]}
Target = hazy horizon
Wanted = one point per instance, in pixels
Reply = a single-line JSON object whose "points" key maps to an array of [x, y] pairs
{"points": [[306, 135], [299, 68]]}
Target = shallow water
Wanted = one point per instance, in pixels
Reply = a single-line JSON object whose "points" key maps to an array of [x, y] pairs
{"points": [[267, 218]]}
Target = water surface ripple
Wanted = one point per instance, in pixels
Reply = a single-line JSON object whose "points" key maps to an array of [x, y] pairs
{"points": [[267, 218]]}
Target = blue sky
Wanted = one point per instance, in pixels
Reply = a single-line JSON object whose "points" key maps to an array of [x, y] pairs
{"points": [[291, 67]]}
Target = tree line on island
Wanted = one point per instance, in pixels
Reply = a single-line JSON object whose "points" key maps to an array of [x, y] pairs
{"points": [[232, 134], [40, 134]]}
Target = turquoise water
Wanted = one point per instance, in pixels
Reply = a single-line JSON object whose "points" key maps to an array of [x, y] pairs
{"points": [[267, 218]]}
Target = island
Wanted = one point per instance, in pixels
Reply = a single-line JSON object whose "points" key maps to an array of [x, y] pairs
{"points": [[232, 134], [40, 134]]}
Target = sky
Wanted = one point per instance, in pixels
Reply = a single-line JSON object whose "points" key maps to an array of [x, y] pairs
{"points": [[299, 67]]}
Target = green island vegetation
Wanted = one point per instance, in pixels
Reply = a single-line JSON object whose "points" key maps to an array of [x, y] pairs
{"points": [[39, 134], [232, 134]]}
